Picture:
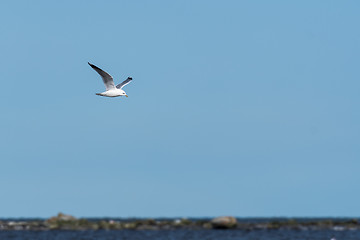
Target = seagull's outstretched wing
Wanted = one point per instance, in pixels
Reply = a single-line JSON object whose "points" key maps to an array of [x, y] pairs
{"points": [[126, 82], [107, 79]]}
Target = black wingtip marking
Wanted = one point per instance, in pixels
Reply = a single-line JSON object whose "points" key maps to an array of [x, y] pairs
{"points": [[95, 67], [92, 65], [130, 78]]}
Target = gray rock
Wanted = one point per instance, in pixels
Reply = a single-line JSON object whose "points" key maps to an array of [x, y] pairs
{"points": [[225, 222]]}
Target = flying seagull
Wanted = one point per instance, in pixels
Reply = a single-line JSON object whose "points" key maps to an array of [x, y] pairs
{"points": [[111, 90]]}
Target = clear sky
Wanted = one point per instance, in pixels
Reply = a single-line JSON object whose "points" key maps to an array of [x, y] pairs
{"points": [[243, 108]]}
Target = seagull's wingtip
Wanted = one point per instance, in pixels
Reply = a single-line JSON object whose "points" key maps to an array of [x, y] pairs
{"points": [[91, 65]]}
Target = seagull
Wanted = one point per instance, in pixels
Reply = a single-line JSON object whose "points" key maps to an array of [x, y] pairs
{"points": [[111, 90]]}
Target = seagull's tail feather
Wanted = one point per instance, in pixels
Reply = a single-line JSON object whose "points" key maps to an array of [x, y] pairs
{"points": [[99, 94]]}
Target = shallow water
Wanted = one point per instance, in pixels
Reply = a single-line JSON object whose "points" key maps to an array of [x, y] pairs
{"points": [[182, 235]]}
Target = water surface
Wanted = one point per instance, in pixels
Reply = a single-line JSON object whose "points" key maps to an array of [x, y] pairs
{"points": [[281, 234]]}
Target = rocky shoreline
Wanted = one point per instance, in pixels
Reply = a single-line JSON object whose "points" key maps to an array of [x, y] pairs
{"points": [[68, 222]]}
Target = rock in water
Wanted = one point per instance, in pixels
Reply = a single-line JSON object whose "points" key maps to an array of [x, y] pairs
{"points": [[224, 222], [62, 217]]}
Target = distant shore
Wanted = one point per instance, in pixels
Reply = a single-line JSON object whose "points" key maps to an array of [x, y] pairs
{"points": [[68, 222]]}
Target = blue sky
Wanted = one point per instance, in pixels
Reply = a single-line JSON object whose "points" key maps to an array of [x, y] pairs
{"points": [[244, 108]]}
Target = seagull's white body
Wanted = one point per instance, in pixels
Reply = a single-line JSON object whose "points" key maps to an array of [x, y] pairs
{"points": [[113, 93], [111, 90]]}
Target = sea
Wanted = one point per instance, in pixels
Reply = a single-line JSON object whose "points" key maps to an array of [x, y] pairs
{"points": [[182, 235], [185, 234]]}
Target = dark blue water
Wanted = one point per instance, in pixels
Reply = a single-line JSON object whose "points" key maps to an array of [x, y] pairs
{"points": [[182, 235]]}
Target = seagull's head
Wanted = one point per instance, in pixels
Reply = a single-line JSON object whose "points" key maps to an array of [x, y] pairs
{"points": [[123, 93]]}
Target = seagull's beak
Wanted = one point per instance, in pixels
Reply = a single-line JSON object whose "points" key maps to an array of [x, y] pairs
{"points": [[126, 96]]}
